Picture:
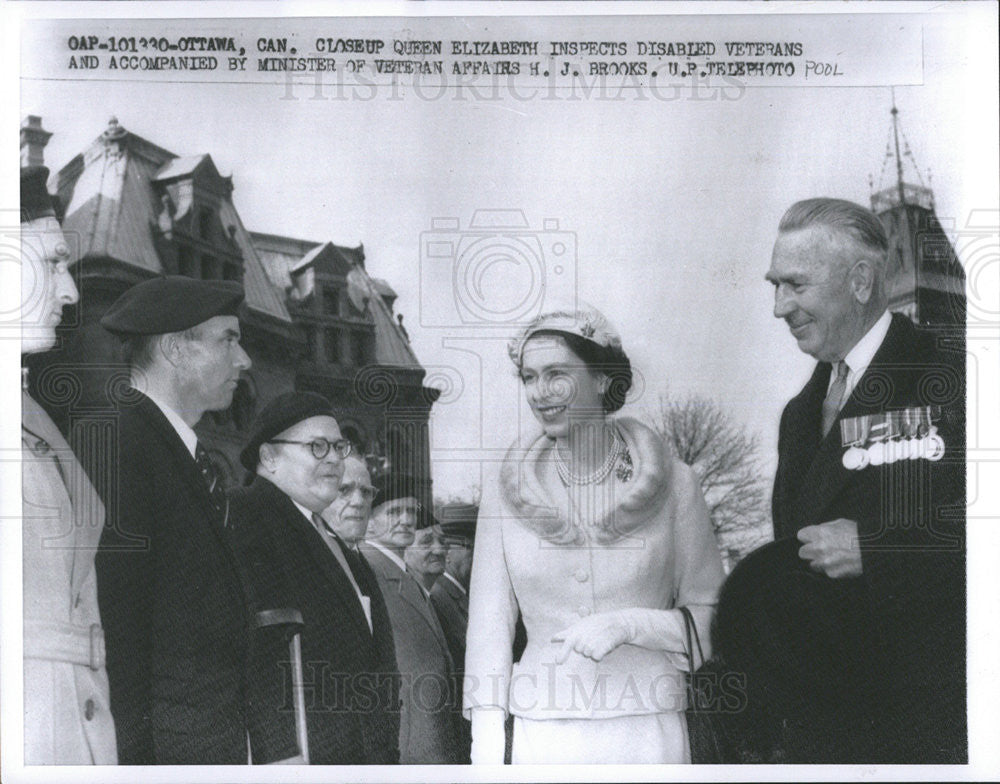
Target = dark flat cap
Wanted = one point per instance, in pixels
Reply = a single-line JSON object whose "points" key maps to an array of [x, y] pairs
{"points": [[458, 521], [171, 304], [393, 486], [803, 640], [36, 201], [279, 415], [426, 519]]}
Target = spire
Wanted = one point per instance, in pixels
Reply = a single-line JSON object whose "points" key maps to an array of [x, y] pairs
{"points": [[900, 192]]}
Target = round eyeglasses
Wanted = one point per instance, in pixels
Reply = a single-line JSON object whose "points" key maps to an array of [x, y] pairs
{"points": [[320, 447]]}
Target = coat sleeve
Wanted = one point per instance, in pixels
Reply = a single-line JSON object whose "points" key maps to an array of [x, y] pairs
{"points": [[492, 609], [698, 572], [126, 576]]}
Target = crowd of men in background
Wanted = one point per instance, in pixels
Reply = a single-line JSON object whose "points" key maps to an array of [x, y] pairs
{"points": [[315, 616], [310, 552]]}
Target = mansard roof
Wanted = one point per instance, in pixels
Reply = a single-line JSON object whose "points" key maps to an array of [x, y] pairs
{"points": [[111, 207]]}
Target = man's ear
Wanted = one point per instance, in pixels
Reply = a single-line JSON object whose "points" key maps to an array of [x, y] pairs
{"points": [[266, 457], [170, 347], [861, 279]]}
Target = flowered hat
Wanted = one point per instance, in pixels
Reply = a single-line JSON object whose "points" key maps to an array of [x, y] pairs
{"points": [[583, 320]]}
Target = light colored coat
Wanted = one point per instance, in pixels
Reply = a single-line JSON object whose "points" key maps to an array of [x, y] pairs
{"points": [[67, 716], [654, 549], [428, 730]]}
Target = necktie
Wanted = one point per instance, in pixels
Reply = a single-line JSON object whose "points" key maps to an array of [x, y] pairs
{"points": [[211, 477], [834, 397], [349, 555]]}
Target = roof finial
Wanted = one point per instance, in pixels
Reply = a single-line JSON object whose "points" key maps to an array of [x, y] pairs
{"points": [[114, 130]]}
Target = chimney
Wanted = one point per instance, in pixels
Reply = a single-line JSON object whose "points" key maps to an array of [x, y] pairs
{"points": [[33, 141]]}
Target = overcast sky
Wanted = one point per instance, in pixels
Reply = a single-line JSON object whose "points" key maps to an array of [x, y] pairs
{"points": [[672, 205]]}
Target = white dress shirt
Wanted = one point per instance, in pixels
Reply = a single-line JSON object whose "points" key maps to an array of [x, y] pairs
{"points": [[860, 356], [184, 430]]}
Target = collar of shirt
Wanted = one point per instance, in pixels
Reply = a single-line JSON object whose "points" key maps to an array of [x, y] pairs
{"points": [[188, 436], [460, 586], [389, 554], [860, 357], [308, 514]]}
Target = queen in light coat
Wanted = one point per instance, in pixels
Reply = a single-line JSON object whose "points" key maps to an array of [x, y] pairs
{"points": [[596, 534]]}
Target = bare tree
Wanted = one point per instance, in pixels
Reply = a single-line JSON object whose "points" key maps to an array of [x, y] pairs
{"points": [[724, 455]]}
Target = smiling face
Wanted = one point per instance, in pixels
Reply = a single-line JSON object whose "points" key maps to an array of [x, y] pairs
{"points": [[425, 558], [559, 386], [394, 522], [210, 360], [293, 469], [46, 283], [350, 510], [818, 291]]}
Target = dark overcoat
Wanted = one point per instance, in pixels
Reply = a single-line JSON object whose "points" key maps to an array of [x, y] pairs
{"points": [[173, 601], [910, 515], [352, 697]]}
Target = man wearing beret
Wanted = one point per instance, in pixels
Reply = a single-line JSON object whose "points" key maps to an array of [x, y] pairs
{"points": [[427, 728], [296, 560], [67, 716], [868, 509], [450, 597], [171, 589]]}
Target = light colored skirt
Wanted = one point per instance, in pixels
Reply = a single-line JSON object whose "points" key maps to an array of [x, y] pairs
{"points": [[646, 739]]}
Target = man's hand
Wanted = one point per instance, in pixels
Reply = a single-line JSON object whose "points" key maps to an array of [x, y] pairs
{"points": [[832, 548]]}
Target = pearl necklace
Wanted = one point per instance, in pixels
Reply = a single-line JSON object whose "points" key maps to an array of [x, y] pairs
{"points": [[600, 474]]}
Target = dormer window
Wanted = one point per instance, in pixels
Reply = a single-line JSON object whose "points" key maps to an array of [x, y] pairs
{"points": [[205, 217]]}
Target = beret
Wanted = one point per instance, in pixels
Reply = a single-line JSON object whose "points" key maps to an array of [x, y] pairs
{"points": [[803, 640], [458, 521], [581, 319], [170, 304], [392, 486], [36, 201], [279, 415]]}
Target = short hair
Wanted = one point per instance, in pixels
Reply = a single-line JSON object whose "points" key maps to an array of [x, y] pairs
{"points": [[612, 361], [139, 351], [858, 223]]}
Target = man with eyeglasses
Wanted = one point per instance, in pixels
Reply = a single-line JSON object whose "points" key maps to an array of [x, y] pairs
{"points": [[427, 727], [171, 591], [296, 560]]}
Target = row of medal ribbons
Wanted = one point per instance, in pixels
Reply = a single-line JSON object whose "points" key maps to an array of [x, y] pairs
{"points": [[890, 436]]}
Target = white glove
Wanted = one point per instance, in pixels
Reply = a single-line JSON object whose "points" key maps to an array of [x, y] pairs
{"points": [[488, 738], [597, 635]]}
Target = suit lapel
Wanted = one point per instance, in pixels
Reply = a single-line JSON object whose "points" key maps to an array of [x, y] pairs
{"points": [[873, 392], [310, 540], [405, 586], [87, 509]]}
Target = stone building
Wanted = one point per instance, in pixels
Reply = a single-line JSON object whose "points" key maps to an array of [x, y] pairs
{"points": [[314, 319]]}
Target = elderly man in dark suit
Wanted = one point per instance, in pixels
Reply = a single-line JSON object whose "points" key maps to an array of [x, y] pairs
{"points": [[171, 591], [450, 596], [427, 723], [296, 560], [869, 503]]}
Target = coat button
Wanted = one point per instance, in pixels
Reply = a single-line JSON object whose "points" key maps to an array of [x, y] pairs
{"points": [[88, 710], [581, 576], [583, 612]]}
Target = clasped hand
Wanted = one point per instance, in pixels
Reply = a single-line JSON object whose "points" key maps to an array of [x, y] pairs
{"points": [[832, 548]]}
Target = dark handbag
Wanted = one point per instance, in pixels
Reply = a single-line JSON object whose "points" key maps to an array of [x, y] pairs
{"points": [[703, 735]]}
